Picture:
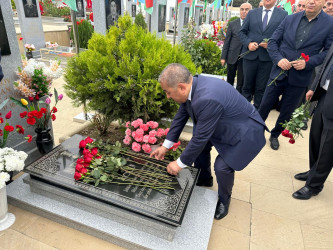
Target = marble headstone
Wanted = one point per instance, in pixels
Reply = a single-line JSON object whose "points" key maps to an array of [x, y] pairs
{"points": [[184, 11], [209, 15], [158, 17], [31, 23], [106, 12], [172, 19], [10, 62], [198, 16]]}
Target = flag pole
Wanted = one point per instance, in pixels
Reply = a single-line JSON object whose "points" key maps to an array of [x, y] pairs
{"points": [[175, 26]]}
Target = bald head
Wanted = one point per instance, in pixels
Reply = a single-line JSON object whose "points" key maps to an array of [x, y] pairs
{"points": [[244, 9]]}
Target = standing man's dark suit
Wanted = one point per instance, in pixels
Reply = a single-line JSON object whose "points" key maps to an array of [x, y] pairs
{"points": [[321, 133], [288, 42], [257, 64], [1, 73], [230, 52]]}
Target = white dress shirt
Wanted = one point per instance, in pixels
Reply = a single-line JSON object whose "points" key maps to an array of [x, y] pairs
{"points": [[168, 144], [269, 14]]}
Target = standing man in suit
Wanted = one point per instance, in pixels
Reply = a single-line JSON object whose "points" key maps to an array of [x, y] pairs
{"points": [[300, 6], [222, 118], [232, 48], [321, 133], [1, 73], [329, 7], [259, 24], [308, 32]]}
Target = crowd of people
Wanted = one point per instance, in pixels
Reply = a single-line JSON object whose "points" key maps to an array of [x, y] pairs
{"points": [[264, 47]]}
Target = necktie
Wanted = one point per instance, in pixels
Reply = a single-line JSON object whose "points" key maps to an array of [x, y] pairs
{"points": [[265, 21]]}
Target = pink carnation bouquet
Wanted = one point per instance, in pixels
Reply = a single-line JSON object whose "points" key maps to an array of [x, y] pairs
{"points": [[141, 136]]}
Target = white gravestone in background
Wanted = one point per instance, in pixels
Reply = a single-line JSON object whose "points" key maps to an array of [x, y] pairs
{"points": [[183, 20], [158, 17]]}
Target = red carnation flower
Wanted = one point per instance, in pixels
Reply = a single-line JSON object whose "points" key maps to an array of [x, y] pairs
{"points": [[1, 120], [20, 129], [9, 115], [9, 128], [1, 134], [23, 114], [39, 114], [31, 121], [77, 176], [43, 110], [29, 137], [53, 117], [77, 22], [54, 110], [305, 57]]}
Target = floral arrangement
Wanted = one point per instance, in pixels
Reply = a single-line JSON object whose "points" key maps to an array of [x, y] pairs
{"points": [[102, 163], [293, 128], [10, 160], [35, 115], [142, 135], [35, 78], [9, 128], [302, 57], [29, 47], [215, 32], [51, 44]]}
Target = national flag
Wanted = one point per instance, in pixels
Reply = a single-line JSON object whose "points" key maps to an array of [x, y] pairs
{"points": [[71, 4], [149, 3]]}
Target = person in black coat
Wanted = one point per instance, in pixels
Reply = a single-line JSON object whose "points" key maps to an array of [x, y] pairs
{"points": [[321, 133], [232, 48], [1, 73], [259, 24]]}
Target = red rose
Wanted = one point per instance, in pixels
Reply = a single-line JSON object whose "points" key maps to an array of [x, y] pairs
{"points": [[86, 151], [89, 140], [82, 144], [84, 171], [37, 97], [31, 121], [43, 110], [77, 22], [77, 176], [285, 133], [54, 110], [9, 115], [78, 167], [98, 157], [290, 136], [20, 129], [31, 98], [292, 141], [23, 114], [29, 137], [87, 159], [21, 38], [9, 128], [94, 151], [53, 117]]}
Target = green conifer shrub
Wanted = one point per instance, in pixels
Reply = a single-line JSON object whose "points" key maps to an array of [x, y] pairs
{"points": [[118, 74], [140, 20]]}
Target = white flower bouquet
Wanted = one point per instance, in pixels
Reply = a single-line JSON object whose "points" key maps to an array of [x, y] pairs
{"points": [[10, 160]]}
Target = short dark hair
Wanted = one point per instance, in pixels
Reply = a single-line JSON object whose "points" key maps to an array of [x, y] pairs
{"points": [[175, 73]]}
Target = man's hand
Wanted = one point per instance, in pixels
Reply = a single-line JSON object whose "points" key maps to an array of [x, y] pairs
{"points": [[222, 62], [264, 45], [309, 95], [253, 46], [284, 64], [159, 153], [298, 64], [173, 168]]}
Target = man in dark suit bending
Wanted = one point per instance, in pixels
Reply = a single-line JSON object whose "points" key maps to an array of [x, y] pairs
{"points": [[232, 48], [259, 24], [222, 118], [321, 133], [308, 32]]}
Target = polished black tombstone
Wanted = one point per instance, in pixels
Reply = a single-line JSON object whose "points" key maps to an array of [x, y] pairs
{"points": [[58, 167]]}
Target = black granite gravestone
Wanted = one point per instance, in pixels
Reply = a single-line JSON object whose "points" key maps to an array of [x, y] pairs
{"points": [[58, 167]]}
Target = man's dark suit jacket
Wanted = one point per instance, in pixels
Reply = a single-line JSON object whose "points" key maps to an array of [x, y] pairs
{"points": [[224, 118], [1, 74], [232, 45], [328, 103], [252, 31], [283, 45]]}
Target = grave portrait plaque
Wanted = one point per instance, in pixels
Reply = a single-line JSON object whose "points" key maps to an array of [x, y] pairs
{"points": [[133, 11], [112, 11], [161, 17], [186, 15], [4, 44], [30, 8], [80, 8], [58, 167]]}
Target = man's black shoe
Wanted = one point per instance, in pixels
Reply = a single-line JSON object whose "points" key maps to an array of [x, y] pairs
{"points": [[302, 176], [205, 182], [274, 142], [221, 209], [304, 193]]}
